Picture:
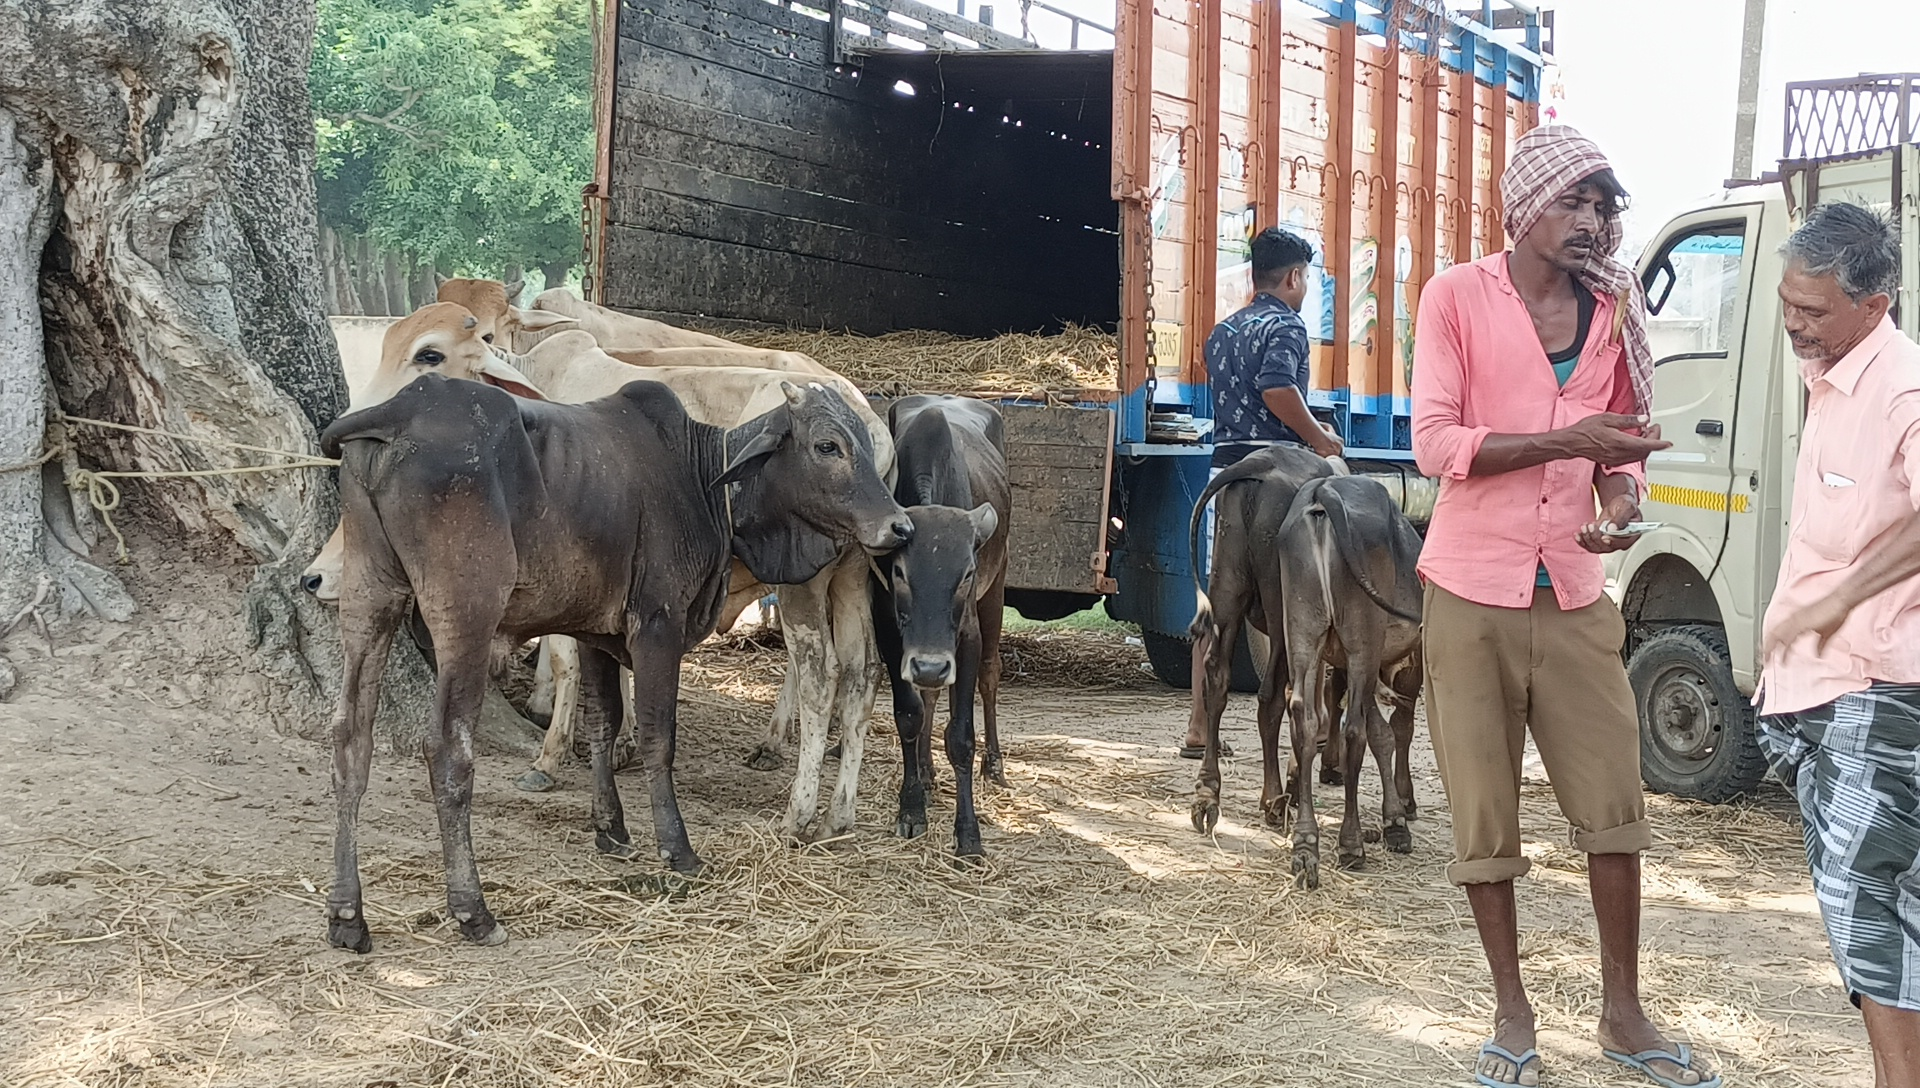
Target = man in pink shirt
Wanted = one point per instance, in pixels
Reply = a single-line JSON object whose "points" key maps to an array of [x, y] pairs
{"points": [[1840, 685], [1532, 382]]}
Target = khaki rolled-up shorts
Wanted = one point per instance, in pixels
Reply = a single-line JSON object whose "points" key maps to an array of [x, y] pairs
{"points": [[1493, 674]]}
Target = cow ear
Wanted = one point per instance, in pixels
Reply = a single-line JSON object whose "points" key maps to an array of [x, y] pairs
{"points": [[495, 370], [438, 279], [513, 290], [543, 320], [985, 521], [751, 456]]}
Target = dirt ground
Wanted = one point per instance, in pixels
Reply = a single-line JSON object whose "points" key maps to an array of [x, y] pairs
{"points": [[163, 858]]}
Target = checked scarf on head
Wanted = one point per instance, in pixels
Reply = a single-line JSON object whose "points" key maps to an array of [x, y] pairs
{"points": [[1547, 162]]}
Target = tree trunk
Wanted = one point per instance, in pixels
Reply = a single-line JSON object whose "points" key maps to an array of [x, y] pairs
{"points": [[181, 292], [373, 300], [555, 274], [396, 284], [423, 286]]}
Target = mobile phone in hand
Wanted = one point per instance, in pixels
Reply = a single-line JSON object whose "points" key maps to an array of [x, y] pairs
{"points": [[1631, 528]]}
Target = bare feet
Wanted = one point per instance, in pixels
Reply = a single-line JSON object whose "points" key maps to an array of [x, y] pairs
{"points": [[1633, 1033], [1513, 1034]]}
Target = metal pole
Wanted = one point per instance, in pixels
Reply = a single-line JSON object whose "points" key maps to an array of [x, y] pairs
{"points": [[1747, 113]]}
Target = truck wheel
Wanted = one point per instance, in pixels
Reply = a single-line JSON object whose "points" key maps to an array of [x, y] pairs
{"points": [[1696, 729], [1171, 657]]}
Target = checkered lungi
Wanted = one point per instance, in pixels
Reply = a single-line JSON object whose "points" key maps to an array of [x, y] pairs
{"points": [[1854, 764]]}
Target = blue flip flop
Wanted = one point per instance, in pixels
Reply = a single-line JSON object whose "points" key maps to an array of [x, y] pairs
{"points": [[1520, 1062], [1681, 1056]]}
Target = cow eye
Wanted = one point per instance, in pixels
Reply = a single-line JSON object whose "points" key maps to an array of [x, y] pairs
{"points": [[430, 357], [828, 449]]}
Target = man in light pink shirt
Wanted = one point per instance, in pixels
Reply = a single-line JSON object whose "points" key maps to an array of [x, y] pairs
{"points": [[1840, 685], [1531, 386]]}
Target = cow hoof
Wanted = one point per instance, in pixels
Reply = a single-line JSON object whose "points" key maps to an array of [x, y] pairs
{"points": [[967, 849], [1371, 834], [1306, 867], [910, 826], [1274, 813], [350, 933], [1399, 839], [991, 770], [1331, 776], [621, 848], [1206, 811], [1352, 859], [685, 864], [764, 758], [536, 781], [492, 938], [481, 928]]}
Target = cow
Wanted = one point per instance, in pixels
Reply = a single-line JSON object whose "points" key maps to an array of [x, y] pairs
{"points": [[1347, 557], [500, 518], [616, 331], [939, 600], [1251, 499], [826, 618], [502, 323]]}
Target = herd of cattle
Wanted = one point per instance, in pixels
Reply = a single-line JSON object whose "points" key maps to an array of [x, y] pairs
{"points": [[619, 489]]}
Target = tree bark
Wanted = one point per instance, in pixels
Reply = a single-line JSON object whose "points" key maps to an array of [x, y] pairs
{"points": [[423, 287], [555, 274], [181, 292], [396, 284]]}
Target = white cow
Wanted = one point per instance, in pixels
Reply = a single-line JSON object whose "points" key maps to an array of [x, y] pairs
{"points": [[827, 620]]}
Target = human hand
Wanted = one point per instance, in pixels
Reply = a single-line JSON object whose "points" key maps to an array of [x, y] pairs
{"points": [[1326, 443], [1609, 438], [1594, 537]]}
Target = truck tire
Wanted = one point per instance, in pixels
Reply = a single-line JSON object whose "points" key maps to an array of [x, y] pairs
{"points": [[1696, 729], [1171, 657]]}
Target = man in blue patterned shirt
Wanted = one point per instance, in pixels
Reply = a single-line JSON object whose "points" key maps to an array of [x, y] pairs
{"points": [[1257, 359]]}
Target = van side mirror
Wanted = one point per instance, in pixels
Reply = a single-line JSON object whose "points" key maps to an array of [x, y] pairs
{"points": [[1659, 285]]}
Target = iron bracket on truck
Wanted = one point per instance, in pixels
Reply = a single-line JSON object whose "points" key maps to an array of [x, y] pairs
{"points": [[1729, 396]]}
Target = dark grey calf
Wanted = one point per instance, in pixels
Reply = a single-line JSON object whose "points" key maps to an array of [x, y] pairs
{"points": [[1353, 599], [937, 613], [1251, 500], [501, 519]]}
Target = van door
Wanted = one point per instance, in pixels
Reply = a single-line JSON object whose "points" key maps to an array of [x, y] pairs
{"points": [[1697, 281]]}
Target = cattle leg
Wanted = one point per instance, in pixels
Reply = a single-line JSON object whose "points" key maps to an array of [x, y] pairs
{"points": [[1332, 764], [1271, 711], [771, 752], [656, 655], [601, 715], [966, 824], [908, 721], [805, 622], [1406, 689], [560, 659], [991, 613], [1214, 636], [851, 647], [367, 628], [461, 639], [1393, 809], [1355, 730], [540, 699], [1305, 710]]}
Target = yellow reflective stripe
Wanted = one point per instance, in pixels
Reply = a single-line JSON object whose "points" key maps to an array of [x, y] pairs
{"points": [[1695, 498]]}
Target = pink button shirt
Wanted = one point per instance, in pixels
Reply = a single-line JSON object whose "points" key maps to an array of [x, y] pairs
{"points": [[1858, 477], [1479, 369]]}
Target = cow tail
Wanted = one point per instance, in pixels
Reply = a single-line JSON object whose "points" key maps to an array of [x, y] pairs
{"points": [[1245, 469], [1343, 539]]}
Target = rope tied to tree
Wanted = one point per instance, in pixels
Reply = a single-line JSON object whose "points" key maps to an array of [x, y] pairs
{"points": [[104, 495]]}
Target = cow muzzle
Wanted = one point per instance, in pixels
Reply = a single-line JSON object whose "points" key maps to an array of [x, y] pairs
{"points": [[894, 532], [928, 670]]}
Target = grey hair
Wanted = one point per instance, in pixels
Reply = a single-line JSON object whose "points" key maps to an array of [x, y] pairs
{"points": [[1858, 247]]}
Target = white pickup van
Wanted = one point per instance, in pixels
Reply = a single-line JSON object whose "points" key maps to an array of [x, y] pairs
{"points": [[1728, 395]]}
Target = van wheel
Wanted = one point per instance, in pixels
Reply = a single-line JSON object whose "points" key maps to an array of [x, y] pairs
{"points": [[1696, 729], [1171, 657]]}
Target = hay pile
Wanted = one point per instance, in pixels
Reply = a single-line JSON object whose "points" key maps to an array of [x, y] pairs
{"points": [[933, 362]]}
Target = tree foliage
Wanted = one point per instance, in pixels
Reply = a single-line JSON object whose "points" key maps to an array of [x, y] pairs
{"points": [[458, 130]]}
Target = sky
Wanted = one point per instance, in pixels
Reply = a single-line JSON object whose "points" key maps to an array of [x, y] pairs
{"points": [[1656, 81]]}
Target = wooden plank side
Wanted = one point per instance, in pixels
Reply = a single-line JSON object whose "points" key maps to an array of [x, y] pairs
{"points": [[1057, 462], [755, 180]]}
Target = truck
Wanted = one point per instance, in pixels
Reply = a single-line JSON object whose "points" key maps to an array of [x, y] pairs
{"points": [[1728, 394], [884, 165]]}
